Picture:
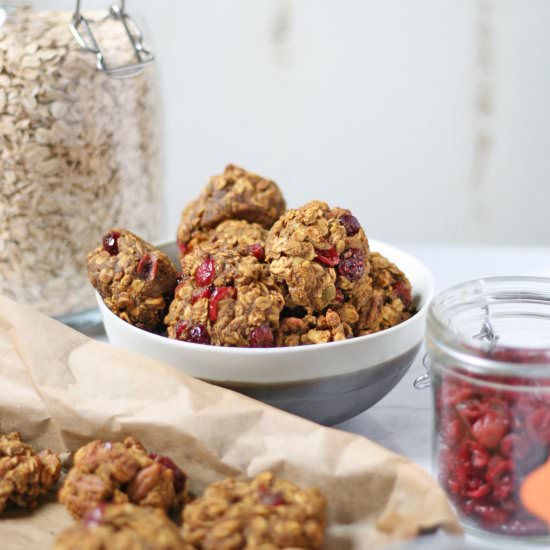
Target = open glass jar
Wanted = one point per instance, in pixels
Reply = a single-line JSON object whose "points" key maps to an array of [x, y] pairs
{"points": [[489, 348], [79, 149]]}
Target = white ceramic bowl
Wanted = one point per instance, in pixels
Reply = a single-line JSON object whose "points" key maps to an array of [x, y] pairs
{"points": [[327, 383]]}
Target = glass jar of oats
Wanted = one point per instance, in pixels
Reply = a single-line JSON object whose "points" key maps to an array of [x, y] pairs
{"points": [[79, 149]]}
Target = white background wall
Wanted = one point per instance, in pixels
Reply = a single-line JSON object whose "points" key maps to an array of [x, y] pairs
{"points": [[428, 118]]}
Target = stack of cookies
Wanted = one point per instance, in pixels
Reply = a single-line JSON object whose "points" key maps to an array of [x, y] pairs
{"points": [[253, 274]]}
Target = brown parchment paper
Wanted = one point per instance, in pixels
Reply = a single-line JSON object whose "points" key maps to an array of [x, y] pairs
{"points": [[61, 389]]}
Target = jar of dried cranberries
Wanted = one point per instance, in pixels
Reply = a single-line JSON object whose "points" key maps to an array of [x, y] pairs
{"points": [[489, 355]]}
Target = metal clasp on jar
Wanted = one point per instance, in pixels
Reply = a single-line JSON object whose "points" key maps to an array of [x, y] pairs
{"points": [[424, 380], [82, 31]]}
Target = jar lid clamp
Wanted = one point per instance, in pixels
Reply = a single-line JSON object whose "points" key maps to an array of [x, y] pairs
{"points": [[82, 31]]}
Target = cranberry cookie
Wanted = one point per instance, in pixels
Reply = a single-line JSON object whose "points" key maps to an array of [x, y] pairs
{"points": [[121, 472], [320, 255], [24, 474], [122, 526], [239, 235], [135, 280], [265, 513], [226, 297], [234, 195], [390, 302]]}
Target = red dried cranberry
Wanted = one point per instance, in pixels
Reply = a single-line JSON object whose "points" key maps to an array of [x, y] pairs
{"points": [[179, 279], [197, 334], [477, 489], [184, 249], [350, 223], [257, 250], [218, 294], [328, 256], [352, 264], [490, 428], [479, 457], [205, 272], [403, 291], [95, 517], [180, 327], [451, 430], [340, 296], [110, 242], [262, 337], [270, 498], [178, 475], [147, 267], [199, 293]]}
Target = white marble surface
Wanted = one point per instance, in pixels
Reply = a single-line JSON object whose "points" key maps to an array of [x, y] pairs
{"points": [[402, 420]]}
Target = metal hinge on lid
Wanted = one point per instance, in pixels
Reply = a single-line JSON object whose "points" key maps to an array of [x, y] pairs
{"points": [[82, 31]]}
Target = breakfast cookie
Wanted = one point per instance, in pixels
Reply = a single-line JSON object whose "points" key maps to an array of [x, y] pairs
{"points": [[122, 527], [264, 513], [320, 255], [226, 297], [25, 475], [135, 280], [391, 300], [120, 472], [234, 195], [239, 235]]}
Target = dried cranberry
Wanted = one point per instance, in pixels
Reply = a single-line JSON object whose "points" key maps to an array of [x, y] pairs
{"points": [[257, 250], [403, 291], [350, 223], [199, 293], [184, 249], [352, 264], [178, 475], [180, 327], [179, 279], [270, 498], [95, 517], [205, 272], [110, 242], [197, 334], [490, 428], [262, 337], [451, 430], [147, 267], [340, 296], [328, 256], [218, 294]]}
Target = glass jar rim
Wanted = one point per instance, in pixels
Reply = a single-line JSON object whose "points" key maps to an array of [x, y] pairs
{"points": [[455, 345]]}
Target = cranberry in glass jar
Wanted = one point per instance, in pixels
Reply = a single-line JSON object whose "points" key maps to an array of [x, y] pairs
{"points": [[489, 352]]}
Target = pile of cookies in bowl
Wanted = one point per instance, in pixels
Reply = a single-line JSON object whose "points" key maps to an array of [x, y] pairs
{"points": [[253, 274]]}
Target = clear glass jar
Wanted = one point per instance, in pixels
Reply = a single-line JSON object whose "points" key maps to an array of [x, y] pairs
{"points": [[79, 154], [489, 349]]}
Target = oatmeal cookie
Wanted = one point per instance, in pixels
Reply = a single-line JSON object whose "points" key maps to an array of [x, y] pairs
{"points": [[24, 474], [122, 527], [239, 235], [226, 298], [121, 472], [391, 301], [320, 255], [234, 195], [135, 280], [265, 513]]}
